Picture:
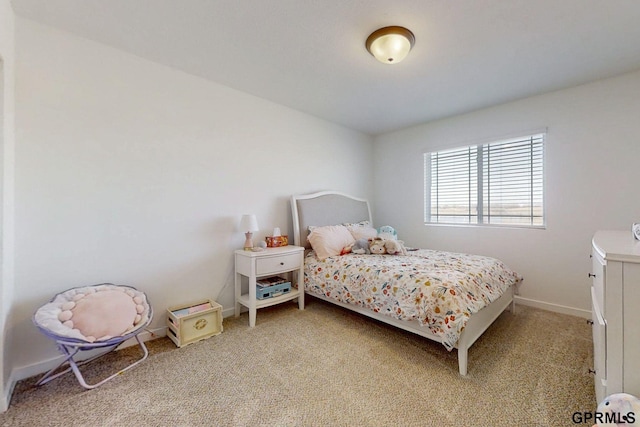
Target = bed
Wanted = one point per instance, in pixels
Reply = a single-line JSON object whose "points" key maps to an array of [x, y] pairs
{"points": [[447, 297]]}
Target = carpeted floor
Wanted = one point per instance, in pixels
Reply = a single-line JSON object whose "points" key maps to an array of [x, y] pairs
{"points": [[325, 366]]}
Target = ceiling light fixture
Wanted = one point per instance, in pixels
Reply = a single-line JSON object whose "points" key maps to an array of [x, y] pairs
{"points": [[390, 44]]}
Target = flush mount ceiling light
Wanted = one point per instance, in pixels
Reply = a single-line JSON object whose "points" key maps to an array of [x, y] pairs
{"points": [[390, 44]]}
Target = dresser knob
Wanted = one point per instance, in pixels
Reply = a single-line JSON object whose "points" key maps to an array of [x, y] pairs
{"points": [[282, 263], [590, 322], [592, 275], [592, 371]]}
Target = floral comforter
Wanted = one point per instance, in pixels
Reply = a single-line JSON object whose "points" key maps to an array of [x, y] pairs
{"points": [[438, 289]]}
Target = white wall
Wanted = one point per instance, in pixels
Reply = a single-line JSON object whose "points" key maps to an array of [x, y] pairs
{"points": [[134, 173], [592, 173], [131, 172], [7, 141]]}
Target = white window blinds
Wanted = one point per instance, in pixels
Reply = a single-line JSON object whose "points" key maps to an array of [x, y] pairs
{"points": [[499, 183]]}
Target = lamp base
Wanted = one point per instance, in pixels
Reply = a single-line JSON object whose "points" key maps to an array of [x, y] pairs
{"points": [[248, 243]]}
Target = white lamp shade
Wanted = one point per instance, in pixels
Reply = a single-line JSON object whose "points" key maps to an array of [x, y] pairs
{"points": [[248, 223], [390, 45]]}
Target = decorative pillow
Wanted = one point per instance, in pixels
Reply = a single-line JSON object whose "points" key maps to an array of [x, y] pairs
{"points": [[364, 223], [329, 240], [102, 314], [362, 230]]}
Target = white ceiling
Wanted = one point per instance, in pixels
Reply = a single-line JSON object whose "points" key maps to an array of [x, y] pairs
{"points": [[310, 55]]}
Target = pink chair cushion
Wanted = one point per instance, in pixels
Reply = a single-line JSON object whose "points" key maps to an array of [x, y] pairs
{"points": [[103, 314]]}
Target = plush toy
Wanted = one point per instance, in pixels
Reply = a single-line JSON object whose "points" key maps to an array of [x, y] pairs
{"points": [[386, 232], [361, 247], [376, 246], [616, 408], [395, 247]]}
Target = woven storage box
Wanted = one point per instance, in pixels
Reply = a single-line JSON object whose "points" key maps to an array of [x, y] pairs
{"points": [[189, 323]]}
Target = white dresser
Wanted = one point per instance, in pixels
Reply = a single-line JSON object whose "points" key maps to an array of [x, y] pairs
{"points": [[615, 302]]}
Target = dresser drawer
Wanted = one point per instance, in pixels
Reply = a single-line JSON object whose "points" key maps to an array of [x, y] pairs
{"points": [[599, 348], [275, 264], [598, 270]]}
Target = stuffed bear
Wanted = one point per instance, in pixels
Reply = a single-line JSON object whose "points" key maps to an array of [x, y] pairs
{"points": [[395, 247], [361, 247], [376, 246], [386, 232], [618, 404]]}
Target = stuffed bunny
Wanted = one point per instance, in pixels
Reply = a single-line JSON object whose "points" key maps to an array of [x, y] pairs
{"points": [[395, 247]]}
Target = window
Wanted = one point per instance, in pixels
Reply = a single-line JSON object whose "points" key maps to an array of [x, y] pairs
{"points": [[499, 183]]}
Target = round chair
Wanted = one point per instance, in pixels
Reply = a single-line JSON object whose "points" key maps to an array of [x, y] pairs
{"points": [[93, 317]]}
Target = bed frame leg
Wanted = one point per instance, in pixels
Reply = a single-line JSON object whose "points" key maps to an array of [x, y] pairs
{"points": [[463, 353]]}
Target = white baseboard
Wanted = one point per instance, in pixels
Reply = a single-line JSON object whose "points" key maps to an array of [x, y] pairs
{"points": [[44, 366], [228, 312], [147, 335], [41, 367], [557, 308]]}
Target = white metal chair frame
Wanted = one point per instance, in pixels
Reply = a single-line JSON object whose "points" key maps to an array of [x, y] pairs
{"points": [[71, 347]]}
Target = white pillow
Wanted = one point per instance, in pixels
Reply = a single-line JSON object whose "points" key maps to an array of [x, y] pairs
{"points": [[362, 230], [330, 240]]}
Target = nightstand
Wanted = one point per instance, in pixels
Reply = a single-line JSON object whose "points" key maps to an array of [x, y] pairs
{"points": [[269, 262]]}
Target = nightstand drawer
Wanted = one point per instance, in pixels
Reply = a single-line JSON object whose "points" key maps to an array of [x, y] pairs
{"points": [[269, 265]]}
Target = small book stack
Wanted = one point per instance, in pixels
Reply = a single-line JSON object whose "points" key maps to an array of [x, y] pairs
{"points": [[270, 287], [190, 310]]}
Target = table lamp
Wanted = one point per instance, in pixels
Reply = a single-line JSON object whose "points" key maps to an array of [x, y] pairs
{"points": [[250, 224]]}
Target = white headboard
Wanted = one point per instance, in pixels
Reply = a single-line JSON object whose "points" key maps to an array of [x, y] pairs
{"points": [[325, 208]]}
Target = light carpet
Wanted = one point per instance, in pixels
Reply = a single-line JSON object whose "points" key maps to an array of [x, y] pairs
{"points": [[326, 366]]}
